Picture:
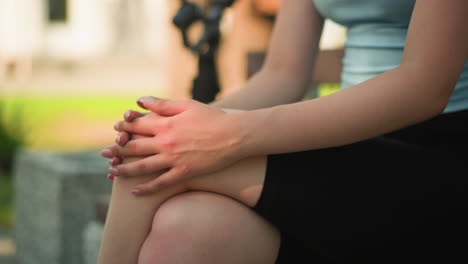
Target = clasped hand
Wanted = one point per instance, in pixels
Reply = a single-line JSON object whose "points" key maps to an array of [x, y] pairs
{"points": [[177, 139]]}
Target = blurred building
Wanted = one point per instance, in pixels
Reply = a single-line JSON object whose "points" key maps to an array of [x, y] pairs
{"points": [[48, 43], [123, 47], [74, 29]]}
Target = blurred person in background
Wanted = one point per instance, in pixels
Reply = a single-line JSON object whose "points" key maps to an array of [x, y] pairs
{"points": [[372, 173]]}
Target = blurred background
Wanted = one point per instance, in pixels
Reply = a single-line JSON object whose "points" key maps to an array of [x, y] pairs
{"points": [[70, 68]]}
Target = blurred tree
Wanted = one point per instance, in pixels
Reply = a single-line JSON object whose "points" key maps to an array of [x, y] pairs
{"points": [[12, 136]]}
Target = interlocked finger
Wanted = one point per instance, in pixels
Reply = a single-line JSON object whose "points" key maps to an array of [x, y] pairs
{"points": [[170, 177], [140, 167], [142, 126], [124, 137], [137, 147], [131, 115]]}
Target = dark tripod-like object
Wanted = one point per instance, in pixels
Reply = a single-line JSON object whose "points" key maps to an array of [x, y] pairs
{"points": [[206, 84]]}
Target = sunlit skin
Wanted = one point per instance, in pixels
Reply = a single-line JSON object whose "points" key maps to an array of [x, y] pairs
{"points": [[180, 142], [186, 151], [194, 138]]}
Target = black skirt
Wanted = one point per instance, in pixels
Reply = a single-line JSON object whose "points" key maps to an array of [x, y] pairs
{"points": [[402, 197]]}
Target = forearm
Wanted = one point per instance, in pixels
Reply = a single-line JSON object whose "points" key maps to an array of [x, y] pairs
{"points": [[267, 88], [380, 105], [286, 72]]}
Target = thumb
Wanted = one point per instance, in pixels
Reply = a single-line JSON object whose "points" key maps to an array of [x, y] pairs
{"points": [[162, 107]]}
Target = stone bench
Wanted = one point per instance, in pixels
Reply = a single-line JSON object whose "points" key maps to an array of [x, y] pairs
{"points": [[55, 196]]}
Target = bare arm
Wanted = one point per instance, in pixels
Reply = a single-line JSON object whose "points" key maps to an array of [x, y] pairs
{"points": [[437, 48], [267, 7], [286, 73], [194, 139]]}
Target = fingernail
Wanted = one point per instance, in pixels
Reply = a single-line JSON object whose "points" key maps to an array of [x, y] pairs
{"points": [[146, 100], [110, 177], [126, 114], [141, 104], [107, 153], [136, 191], [113, 171], [116, 126], [117, 139]]}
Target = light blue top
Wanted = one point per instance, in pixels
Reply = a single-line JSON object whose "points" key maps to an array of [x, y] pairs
{"points": [[376, 35]]}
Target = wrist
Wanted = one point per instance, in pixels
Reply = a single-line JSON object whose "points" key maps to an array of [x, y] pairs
{"points": [[250, 127]]}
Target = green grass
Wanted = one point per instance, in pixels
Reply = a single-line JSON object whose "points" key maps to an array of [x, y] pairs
{"points": [[327, 89], [48, 121], [38, 110]]}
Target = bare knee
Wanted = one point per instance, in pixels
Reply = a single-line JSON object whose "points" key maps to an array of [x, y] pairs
{"points": [[210, 228], [184, 210], [202, 212]]}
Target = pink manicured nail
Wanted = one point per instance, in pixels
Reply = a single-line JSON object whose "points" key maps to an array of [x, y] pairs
{"points": [[117, 139], [126, 114], [113, 171], [146, 100], [136, 191], [110, 177], [140, 102], [107, 153]]}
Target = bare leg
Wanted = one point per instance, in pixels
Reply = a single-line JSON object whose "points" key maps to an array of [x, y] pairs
{"points": [[203, 228], [130, 218]]}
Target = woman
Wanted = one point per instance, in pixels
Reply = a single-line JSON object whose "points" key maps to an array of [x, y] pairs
{"points": [[374, 172]]}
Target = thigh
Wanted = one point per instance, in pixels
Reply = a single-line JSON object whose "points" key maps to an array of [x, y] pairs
{"points": [[378, 198], [242, 181]]}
